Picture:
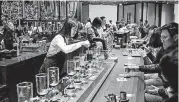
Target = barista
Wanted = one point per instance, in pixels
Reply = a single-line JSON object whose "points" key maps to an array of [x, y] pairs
{"points": [[59, 46]]}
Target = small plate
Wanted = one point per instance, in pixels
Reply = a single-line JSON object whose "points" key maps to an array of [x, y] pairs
{"points": [[124, 100]]}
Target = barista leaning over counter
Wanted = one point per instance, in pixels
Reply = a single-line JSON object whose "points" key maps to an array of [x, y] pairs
{"points": [[59, 46]]}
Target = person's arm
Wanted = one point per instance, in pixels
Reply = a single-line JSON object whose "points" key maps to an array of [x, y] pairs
{"points": [[67, 48], [147, 60], [154, 68], [162, 93], [151, 56]]}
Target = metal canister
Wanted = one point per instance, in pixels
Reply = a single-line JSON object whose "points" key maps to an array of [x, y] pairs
{"points": [[112, 97], [127, 70], [122, 95]]}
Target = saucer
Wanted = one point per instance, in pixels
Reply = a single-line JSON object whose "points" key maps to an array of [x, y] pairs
{"points": [[127, 100]]}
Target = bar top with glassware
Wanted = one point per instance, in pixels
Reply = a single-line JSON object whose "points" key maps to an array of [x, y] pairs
{"points": [[99, 80], [133, 86]]}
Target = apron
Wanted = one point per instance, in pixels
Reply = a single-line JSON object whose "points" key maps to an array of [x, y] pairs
{"points": [[56, 60]]}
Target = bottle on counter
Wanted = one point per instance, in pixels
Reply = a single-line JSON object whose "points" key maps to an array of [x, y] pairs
{"points": [[18, 45], [89, 55]]}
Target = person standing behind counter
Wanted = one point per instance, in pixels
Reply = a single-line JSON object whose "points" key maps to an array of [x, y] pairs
{"points": [[94, 34], [58, 48]]}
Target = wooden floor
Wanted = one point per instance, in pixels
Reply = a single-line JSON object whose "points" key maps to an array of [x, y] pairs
{"points": [[132, 86]]}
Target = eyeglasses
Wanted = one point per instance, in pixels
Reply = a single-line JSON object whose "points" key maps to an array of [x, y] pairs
{"points": [[163, 38], [171, 28]]}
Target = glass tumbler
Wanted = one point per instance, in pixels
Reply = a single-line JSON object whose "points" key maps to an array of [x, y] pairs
{"points": [[41, 84], [53, 76], [24, 91]]}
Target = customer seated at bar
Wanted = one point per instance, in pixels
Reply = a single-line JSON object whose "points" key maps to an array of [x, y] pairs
{"points": [[169, 73], [169, 37], [168, 65], [154, 46], [144, 29], [149, 33], [59, 46]]}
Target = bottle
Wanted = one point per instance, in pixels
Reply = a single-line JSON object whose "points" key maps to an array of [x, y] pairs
{"points": [[18, 50]]}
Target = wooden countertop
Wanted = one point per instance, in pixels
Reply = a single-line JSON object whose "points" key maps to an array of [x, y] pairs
{"points": [[134, 85]]}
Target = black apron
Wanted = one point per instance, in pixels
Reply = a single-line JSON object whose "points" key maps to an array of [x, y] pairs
{"points": [[56, 60]]}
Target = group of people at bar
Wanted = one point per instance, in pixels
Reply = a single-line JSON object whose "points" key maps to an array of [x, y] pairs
{"points": [[160, 56], [159, 51]]}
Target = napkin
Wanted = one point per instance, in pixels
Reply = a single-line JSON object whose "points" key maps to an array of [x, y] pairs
{"points": [[130, 95], [124, 53], [121, 79]]}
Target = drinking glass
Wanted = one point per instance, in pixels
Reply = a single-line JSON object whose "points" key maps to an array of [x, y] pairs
{"points": [[129, 48], [76, 59], [82, 60], [53, 76], [24, 91], [71, 70], [41, 84]]}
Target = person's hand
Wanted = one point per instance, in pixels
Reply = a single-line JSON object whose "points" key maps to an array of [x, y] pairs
{"points": [[154, 90], [86, 43], [147, 50], [99, 44], [143, 53]]}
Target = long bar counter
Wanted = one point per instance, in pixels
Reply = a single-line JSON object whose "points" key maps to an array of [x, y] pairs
{"points": [[105, 82], [26, 66]]}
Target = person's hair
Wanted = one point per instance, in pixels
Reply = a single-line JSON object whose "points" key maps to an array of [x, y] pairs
{"points": [[80, 26], [169, 68], [89, 20], [102, 17], [152, 27], [141, 20], [155, 40], [97, 21], [117, 22], [172, 28], [146, 21], [67, 26]]}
